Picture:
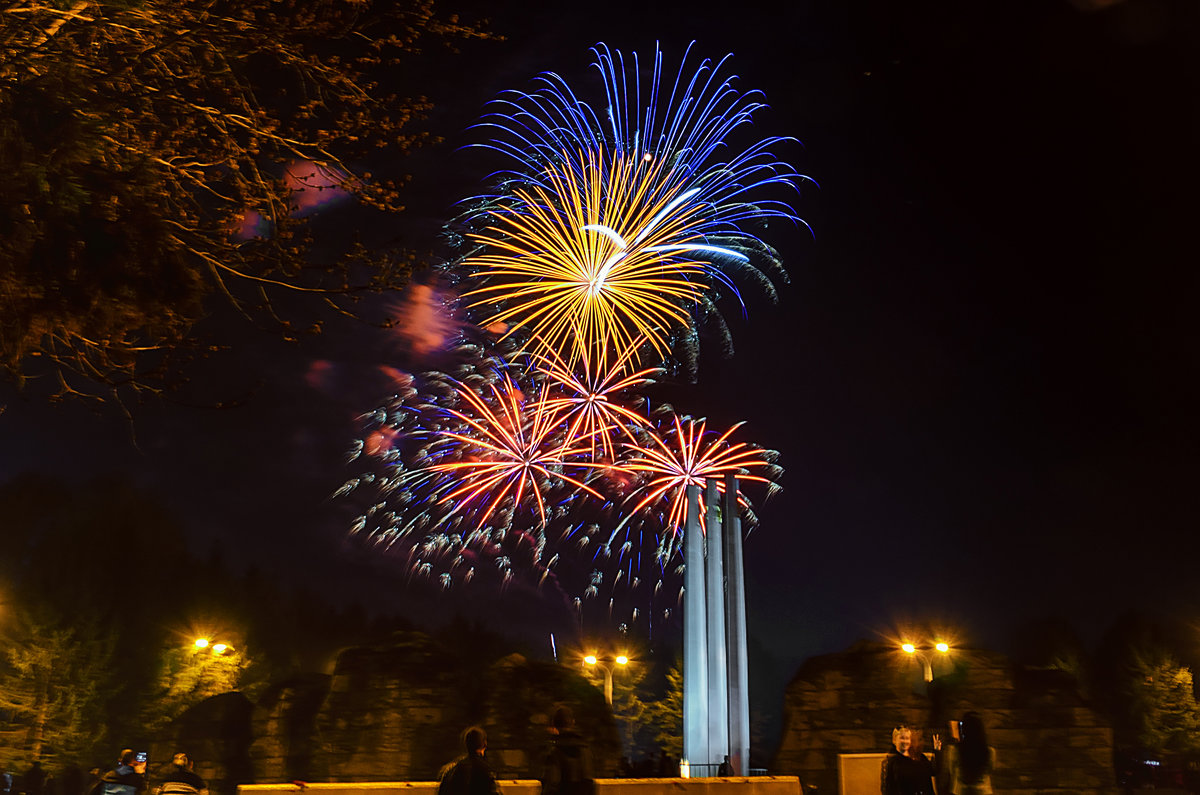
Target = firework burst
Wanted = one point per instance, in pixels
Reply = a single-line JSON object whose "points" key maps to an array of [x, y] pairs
{"points": [[612, 230], [582, 259], [603, 250], [689, 454], [508, 448], [589, 400]]}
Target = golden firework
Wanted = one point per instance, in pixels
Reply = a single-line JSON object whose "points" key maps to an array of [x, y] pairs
{"points": [[593, 261]]}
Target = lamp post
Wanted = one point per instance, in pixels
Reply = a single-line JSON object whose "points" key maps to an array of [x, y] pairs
{"points": [[923, 653], [607, 667]]}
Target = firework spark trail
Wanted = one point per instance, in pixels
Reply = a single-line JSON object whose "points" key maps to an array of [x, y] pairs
{"points": [[469, 471], [619, 224], [584, 262], [688, 454], [589, 399], [403, 440], [603, 249], [688, 127], [510, 446], [641, 557]]}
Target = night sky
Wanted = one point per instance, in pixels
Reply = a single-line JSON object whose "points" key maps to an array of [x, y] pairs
{"points": [[982, 379]]}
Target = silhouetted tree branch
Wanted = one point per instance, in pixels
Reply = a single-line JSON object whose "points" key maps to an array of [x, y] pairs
{"points": [[141, 138]]}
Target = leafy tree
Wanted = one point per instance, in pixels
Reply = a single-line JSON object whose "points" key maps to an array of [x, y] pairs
{"points": [[1145, 689], [100, 559], [665, 714], [139, 138], [55, 678], [1164, 704]]}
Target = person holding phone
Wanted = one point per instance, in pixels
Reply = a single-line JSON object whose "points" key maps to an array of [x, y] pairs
{"points": [[969, 760], [127, 778]]}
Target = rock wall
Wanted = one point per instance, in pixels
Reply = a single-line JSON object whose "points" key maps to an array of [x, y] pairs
{"points": [[389, 713], [284, 745], [216, 734], [1047, 741]]}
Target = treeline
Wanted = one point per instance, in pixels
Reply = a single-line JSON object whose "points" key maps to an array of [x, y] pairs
{"points": [[1139, 675], [101, 602]]}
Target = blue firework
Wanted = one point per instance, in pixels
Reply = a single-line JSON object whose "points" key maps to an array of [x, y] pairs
{"points": [[658, 167]]}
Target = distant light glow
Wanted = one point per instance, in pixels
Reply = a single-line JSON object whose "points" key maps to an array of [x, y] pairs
{"points": [[201, 643], [622, 659], [316, 186], [908, 647], [942, 646], [590, 659], [220, 648]]}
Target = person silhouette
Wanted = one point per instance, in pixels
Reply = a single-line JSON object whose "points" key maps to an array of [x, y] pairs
{"points": [[469, 774], [567, 767]]}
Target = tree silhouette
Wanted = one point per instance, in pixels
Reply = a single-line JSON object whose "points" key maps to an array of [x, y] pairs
{"points": [[1163, 704], [666, 714], [55, 678], [141, 142]]}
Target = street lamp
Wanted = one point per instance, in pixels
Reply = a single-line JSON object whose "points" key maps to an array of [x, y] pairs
{"points": [[607, 667], [923, 654], [216, 648]]}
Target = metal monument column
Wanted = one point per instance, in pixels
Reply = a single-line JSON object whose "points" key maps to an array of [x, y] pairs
{"points": [[735, 612], [716, 705], [695, 637], [718, 672]]}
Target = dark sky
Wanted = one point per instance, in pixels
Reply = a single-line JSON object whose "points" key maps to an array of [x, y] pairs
{"points": [[982, 379]]}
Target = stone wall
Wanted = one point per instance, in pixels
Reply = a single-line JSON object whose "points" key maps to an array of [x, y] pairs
{"points": [[1047, 741], [388, 713], [391, 713], [284, 744], [216, 733]]}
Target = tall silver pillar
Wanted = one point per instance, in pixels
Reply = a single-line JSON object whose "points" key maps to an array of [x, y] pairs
{"points": [[735, 614], [695, 637], [718, 671]]}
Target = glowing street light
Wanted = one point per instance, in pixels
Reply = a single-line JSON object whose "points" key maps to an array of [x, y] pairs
{"points": [[607, 667], [923, 654], [216, 648]]}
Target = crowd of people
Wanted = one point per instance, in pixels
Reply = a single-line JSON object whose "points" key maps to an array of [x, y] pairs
{"points": [[962, 765], [127, 777]]}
